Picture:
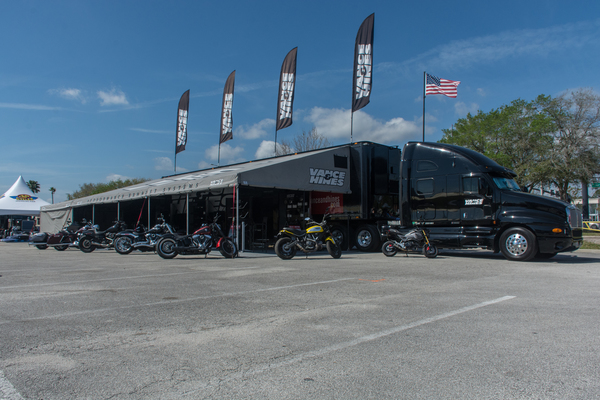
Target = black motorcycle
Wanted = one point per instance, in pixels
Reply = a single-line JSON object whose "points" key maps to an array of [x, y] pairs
{"points": [[199, 242], [140, 238], [313, 238], [90, 239], [416, 240]]}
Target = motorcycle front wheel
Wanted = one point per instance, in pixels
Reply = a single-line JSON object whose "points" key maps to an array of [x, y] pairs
{"points": [[284, 249], [334, 250], [388, 249], [86, 245], [123, 245], [166, 248], [227, 248], [430, 250]]}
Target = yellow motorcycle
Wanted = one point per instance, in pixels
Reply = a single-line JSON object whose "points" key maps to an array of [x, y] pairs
{"points": [[313, 238]]}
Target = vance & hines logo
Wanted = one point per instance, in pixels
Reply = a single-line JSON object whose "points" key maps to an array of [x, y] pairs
{"points": [[328, 177]]}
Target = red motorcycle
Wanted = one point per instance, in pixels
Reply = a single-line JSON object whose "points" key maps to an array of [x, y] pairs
{"points": [[199, 242], [61, 240]]}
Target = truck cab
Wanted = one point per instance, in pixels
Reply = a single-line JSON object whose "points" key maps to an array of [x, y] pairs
{"points": [[470, 201]]}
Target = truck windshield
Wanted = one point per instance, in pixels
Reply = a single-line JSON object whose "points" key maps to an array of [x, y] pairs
{"points": [[506, 184]]}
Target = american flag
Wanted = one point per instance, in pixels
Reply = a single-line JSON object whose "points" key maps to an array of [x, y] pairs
{"points": [[435, 85]]}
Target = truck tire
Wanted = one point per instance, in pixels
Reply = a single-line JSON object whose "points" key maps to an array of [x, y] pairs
{"points": [[367, 238], [518, 244], [340, 235]]}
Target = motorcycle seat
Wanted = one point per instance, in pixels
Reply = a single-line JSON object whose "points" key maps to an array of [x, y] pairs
{"points": [[296, 232]]}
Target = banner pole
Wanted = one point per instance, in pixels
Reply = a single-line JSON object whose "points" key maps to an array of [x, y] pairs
{"points": [[351, 125], [275, 142], [424, 80]]}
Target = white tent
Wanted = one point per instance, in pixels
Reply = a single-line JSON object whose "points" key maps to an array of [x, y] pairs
{"points": [[20, 200]]}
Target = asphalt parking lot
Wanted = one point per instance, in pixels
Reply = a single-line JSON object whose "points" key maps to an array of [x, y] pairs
{"points": [[465, 325]]}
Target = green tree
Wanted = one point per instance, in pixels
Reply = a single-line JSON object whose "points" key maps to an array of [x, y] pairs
{"points": [[34, 186], [516, 136], [575, 153], [52, 191], [88, 189]]}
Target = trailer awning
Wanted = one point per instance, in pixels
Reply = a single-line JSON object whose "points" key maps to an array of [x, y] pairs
{"points": [[324, 170]]}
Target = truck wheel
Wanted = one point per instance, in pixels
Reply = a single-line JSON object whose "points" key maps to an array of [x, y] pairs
{"points": [[518, 244], [340, 235], [284, 249], [367, 238]]}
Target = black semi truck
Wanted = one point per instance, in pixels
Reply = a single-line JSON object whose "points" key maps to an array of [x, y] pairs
{"points": [[465, 199]]}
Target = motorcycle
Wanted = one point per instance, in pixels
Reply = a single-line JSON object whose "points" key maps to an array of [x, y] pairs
{"points": [[92, 238], [309, 240], [199, 242], [416, 240], [60, 240], [141, 239]]}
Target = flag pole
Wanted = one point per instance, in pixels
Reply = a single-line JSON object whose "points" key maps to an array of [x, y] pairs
{"points": [[424, 81]]}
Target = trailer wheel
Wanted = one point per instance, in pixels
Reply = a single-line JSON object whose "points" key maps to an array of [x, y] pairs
{"points": [[518, 244], [367, 238], [340, 235]]}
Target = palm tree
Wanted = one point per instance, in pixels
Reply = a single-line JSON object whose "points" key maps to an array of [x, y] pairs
{"points": [[52, 190], [34, 186]]}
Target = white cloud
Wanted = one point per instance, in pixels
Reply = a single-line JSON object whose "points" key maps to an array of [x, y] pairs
{"points": [[335, 124], [116, 177], [112, 97], [229, 154], [255, 131], [70, 94], [481, 92], [461, 109], [163, 164], [266, 149]]}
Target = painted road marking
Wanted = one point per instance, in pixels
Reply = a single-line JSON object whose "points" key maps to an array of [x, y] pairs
{"points": [[7, 390]]}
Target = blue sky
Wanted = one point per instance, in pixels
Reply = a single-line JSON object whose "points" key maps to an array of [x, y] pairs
{"points": [[89, 89]]}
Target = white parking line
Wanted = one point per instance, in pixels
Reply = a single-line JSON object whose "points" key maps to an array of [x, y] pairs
{"points": [[358, 341], [7, 390]]}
